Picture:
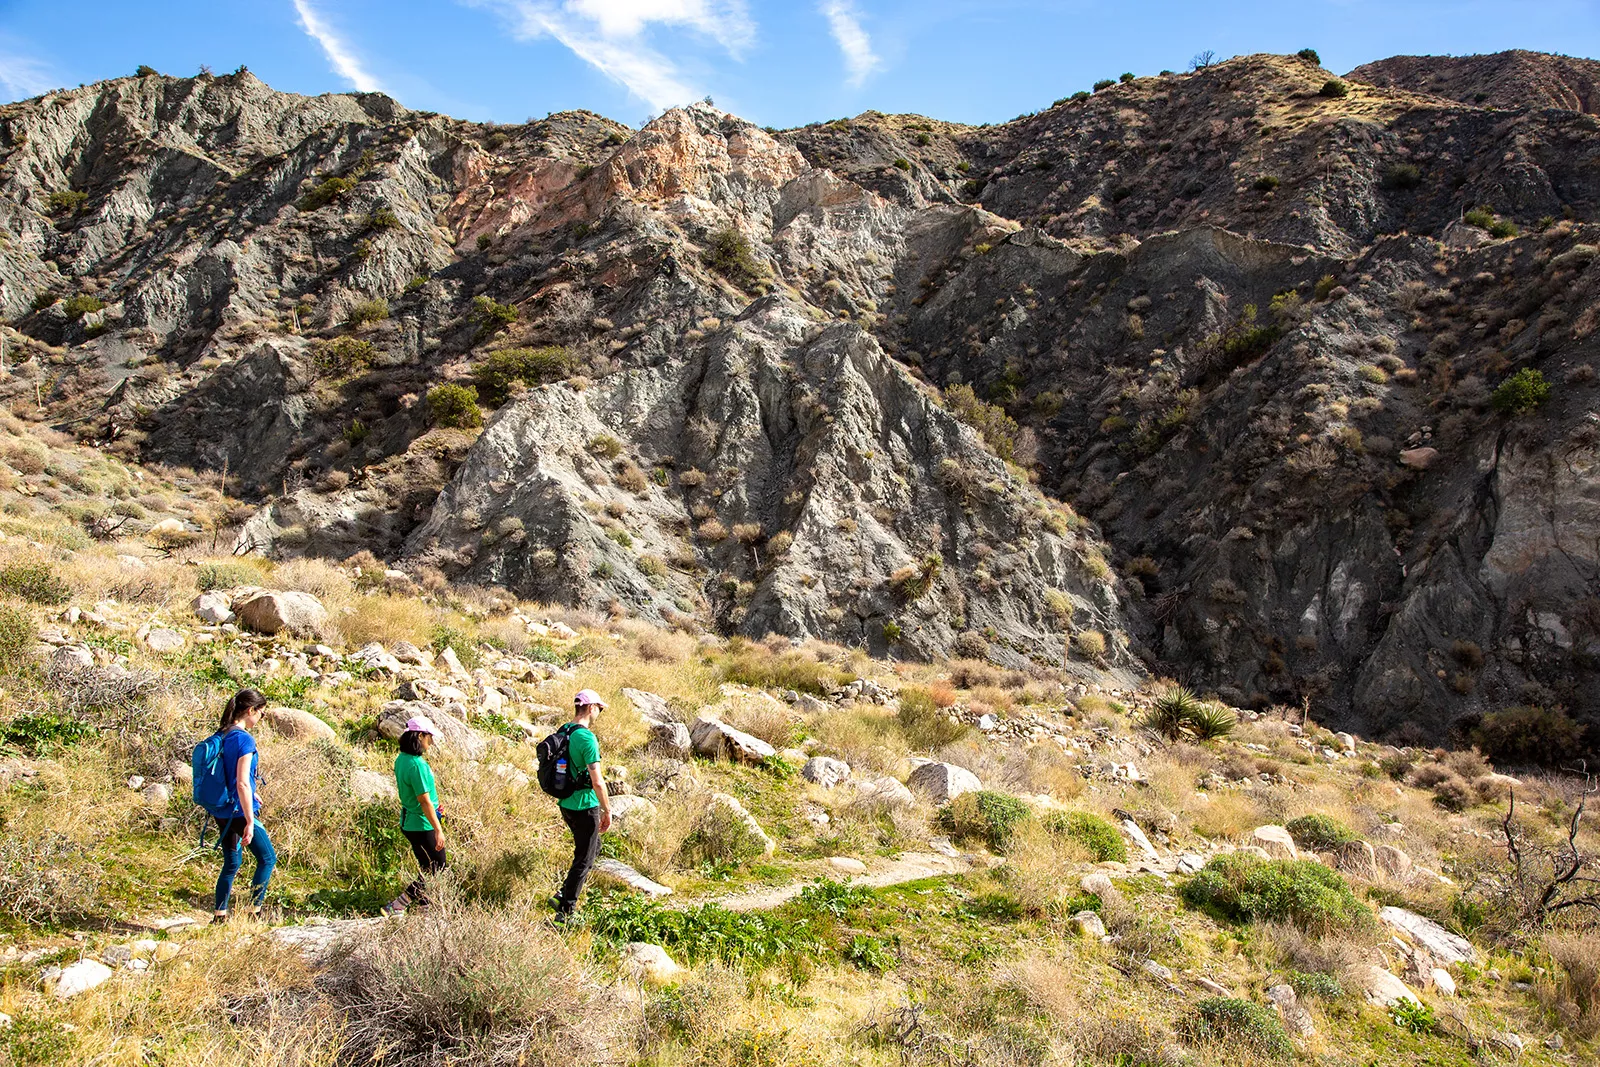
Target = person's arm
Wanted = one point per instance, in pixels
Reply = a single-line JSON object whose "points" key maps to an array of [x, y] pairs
{"points": [[431, 810], [598, 781], [247, 802]]}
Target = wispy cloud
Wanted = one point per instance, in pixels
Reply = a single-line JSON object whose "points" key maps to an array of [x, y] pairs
{"points": [[344, 61], [845, 25], [610, 35], [22, 75]]}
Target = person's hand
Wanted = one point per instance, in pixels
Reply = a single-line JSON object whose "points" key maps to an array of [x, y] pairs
{"points": [[605, 821], [438, 840], [249, 833]]}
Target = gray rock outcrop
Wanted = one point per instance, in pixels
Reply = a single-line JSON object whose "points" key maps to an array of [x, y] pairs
{"points": [[940, 783]]}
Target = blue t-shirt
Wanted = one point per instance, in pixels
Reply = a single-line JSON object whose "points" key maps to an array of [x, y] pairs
{"points": [[236, 743]]}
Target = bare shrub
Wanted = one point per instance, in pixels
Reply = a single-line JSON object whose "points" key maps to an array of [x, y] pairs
{"points": [[474, 984], [317, 577], [46, 879]]}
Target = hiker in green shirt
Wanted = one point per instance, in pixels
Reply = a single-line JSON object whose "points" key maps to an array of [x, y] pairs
{"points": [[586, 812], [419, 810]]}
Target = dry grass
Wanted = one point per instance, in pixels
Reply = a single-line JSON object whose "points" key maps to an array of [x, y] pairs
{"points": [[654, 845], [386, 619], [1574, 994], [318, 577], [1040, 867], [865, 736]]}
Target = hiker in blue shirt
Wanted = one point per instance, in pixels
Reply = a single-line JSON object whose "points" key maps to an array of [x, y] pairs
{"points": [[239, 826]]}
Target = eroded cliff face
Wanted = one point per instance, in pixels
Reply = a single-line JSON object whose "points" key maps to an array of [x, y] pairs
{"points": [[1250, 433]]}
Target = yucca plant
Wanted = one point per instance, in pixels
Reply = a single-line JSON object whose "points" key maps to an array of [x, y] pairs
{"points": [[1172, 712], [1210, 721]]}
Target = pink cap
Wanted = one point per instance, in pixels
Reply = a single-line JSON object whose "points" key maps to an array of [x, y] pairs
{"points": [[586, 697], [421, 724]]}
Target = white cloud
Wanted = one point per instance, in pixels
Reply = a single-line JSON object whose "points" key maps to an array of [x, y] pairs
{"points": [[344, 61], [23, 76], [845, 25], [610, 36]]}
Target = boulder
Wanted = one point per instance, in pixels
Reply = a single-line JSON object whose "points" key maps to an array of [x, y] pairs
{"points": [[454, 735], [369, 786], [1419, 459], [1097, 883], [1443, 983], [718, 740], [406, 652], [164, 641], [1136, 835], [825, 771], [424, 689], [941, 783], [72, 658], [1347, 742], [847, 864], [293, 724], [1275, 840], [1381, 987], [1190, 863], [629, 810], [883, 792], [1441, 944], [649, 963], [649, 707], [1296, 1019], [670, 739], [452, 664], [374, 657], [758, 837], [1159, 971], [621, 872], [1358, 858], [157, 794], [272, 611], [1090, 924], [80, 977], [1391, 861]]}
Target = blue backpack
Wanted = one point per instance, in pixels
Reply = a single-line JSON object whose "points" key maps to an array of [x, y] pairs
{"points": [[211, 788]]}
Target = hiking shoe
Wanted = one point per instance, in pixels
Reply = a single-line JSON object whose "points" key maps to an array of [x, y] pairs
{"points": [[393, 910], [219, 920]]}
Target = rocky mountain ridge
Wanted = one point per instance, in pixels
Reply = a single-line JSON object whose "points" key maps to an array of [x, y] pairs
{"points": [[1234, 318]]}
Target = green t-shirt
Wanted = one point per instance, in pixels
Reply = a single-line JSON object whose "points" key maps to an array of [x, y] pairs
{"points": [[582, 750], [413, 777]]}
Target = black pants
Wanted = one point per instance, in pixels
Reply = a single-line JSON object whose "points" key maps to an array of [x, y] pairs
{"points": [[429, 859], [585, 827]]}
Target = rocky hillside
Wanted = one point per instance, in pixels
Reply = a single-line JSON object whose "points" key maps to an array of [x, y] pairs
{"points": [[1515, 79], [1198, 374]]}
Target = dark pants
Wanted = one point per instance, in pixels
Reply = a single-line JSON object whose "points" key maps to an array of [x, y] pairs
{"points": [[585, 827], [431, 860], [233, 857]]}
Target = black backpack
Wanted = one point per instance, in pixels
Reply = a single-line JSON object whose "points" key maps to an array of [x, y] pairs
{"points": [[555, 773]]}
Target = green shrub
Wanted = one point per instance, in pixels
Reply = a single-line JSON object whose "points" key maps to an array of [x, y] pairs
{"points": [[1169, 715], [1310, 56], [1126, 77], [66, 201], [706, 932], [605, 446], [340, 356], [1231, 1021], [454, 405], [1530, 735], [1246, 339], [730, 255], [1091, 831], [492, 317], [1503, 228], [325, 193], [36, 583], [902, 164], [1103, 83], [502, 369], [1081, 94], [998, 429], [1413, 1015], [984, 815], [374, 310], [1243, 888], [144, 71], [1325, 286], [1266, 183], [83, 304], [1522, 392], [484, 241], [1320, 833], [17, 635], [1402, 176], [210, 576], [383, 219], [1316, 984], [927, 727], [1334, 89], [44, 733], [747, 663], [1210, 721]]}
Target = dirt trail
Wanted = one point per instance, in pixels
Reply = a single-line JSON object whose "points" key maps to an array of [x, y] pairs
{"points": [[908, 867]]}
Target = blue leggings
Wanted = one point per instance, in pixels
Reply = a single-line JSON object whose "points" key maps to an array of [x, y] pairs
{"points": [[233, 856]]}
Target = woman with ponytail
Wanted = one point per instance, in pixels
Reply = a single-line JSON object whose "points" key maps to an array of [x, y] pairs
{"points": [[238, 822]]}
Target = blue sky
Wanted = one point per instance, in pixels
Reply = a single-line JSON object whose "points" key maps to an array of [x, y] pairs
{"points": [[777, 63]]}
